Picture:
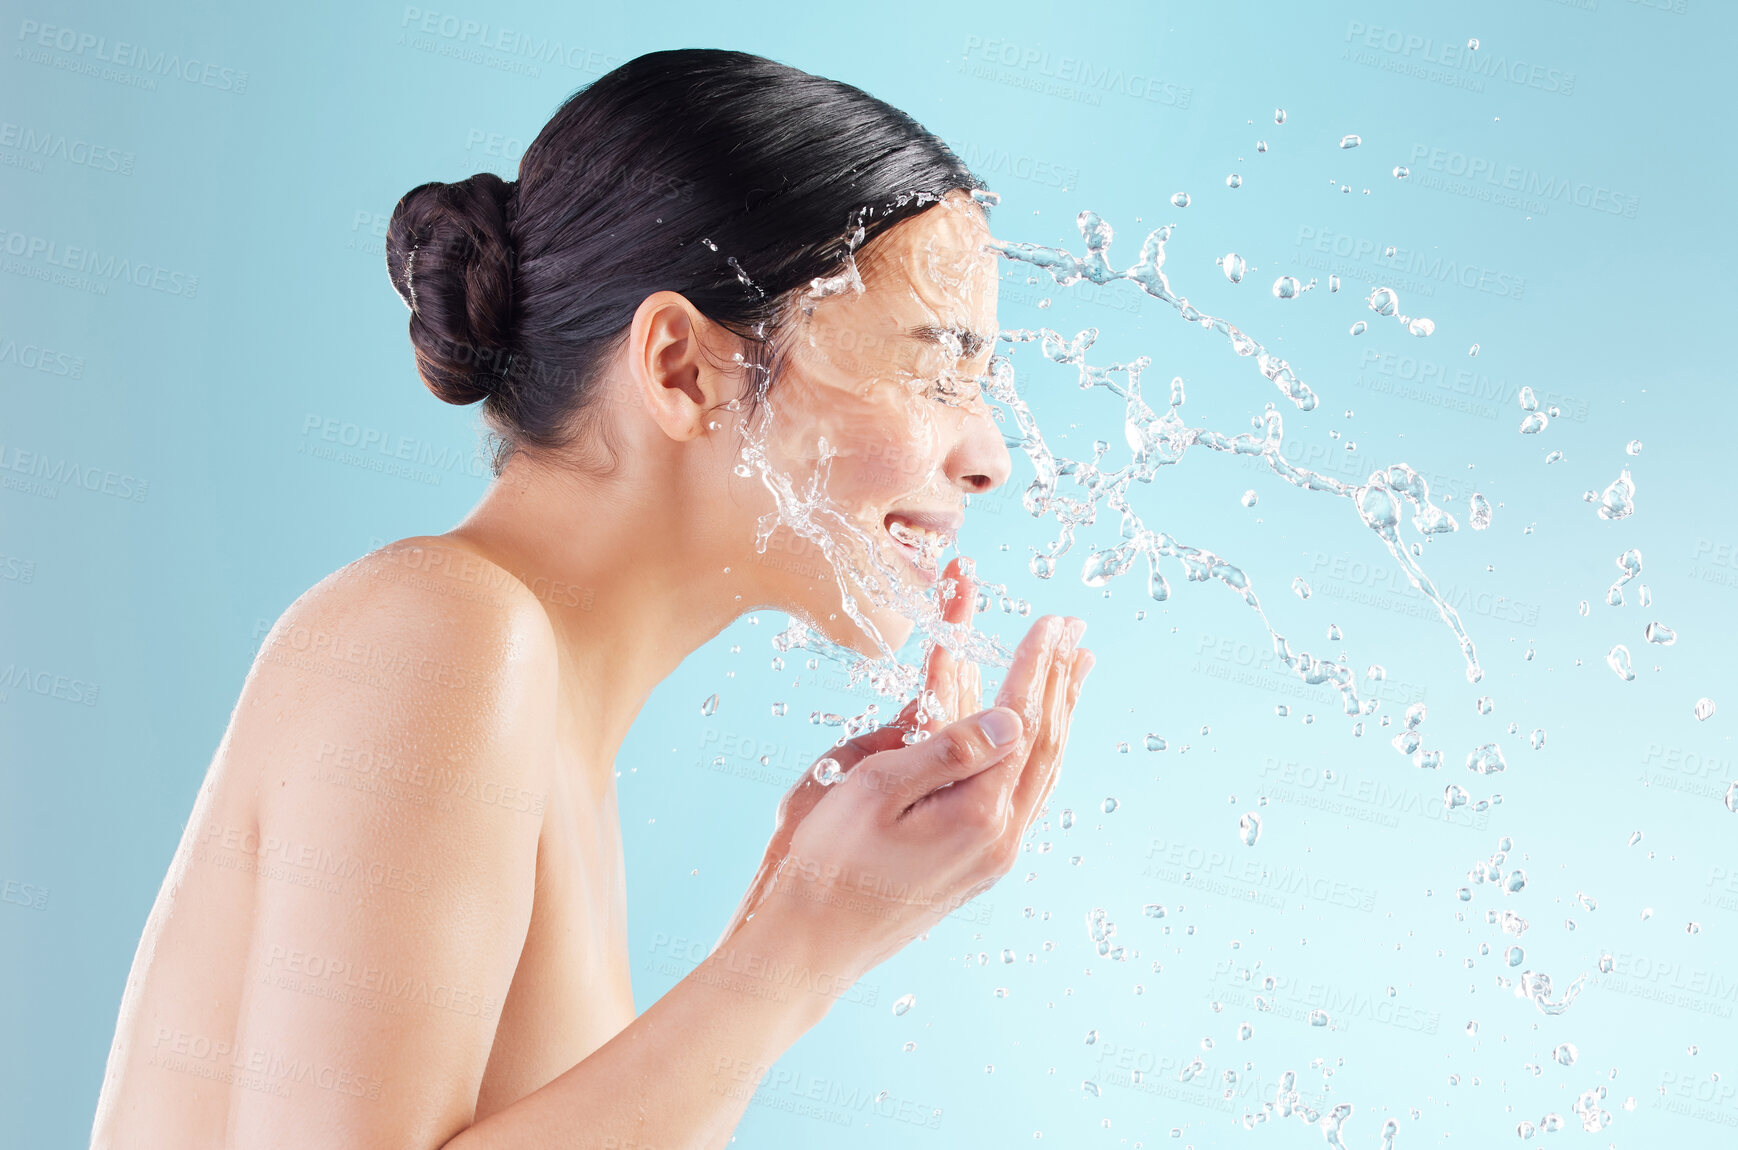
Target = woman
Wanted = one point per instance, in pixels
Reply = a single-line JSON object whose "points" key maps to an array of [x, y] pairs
{"points": [[727, 306]]}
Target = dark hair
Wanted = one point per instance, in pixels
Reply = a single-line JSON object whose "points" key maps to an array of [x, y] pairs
{"points": [[724, 176]]}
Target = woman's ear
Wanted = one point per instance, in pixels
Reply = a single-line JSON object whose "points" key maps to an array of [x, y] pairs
{"points": [[672, 357]]}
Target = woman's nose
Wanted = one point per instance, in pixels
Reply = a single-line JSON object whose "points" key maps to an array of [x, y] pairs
{"points": [[979, 460]]}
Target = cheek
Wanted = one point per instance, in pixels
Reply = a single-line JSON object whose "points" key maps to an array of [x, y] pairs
{"points": [[884, 447]]}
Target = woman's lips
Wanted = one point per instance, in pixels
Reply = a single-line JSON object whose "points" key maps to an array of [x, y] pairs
{"points": [[921, 538]]}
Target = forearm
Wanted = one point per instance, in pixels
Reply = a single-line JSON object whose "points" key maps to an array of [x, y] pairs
{"points": [[681, 1074]]}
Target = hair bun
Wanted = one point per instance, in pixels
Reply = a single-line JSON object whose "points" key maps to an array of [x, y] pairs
{"points": [[449, 251]]}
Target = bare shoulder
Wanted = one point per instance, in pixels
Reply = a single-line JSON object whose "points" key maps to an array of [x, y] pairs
{"points": [[421, 650]]}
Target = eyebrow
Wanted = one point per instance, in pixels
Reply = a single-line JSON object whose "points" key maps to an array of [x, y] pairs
{"points": [[971, 343]]}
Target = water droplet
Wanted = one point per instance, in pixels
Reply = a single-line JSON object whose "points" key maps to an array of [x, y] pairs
{"points": [[1249, 828], [910, 1046], [1473, 350], [1180, 200], [1261, 145], [1704, 708], [710, 706], [1334, 632], [1618, 661], [1484, 704], [1360, 327], [1281, 710], [1565, 1054], [1110, 805], [1661, 634], [1091, 1037], [1067, 819], [1401, 171], [1534, 422], [1618, 502], [1244, 1031], [1486, 760], [1634, 837], [1693, 928], [1286, 287], [828, 771], [1350, 141], [1233, 265], [1384, 301], [1155, 743], [1300, 588], [1234, 180], [904, 1003], [1279, 115], [1473, 44], [1454, 796], [1633, 447], [1732, 798], [1516, 881], [1249, 498], [1318, 1018], [1537, 738], [1478, 511], [1421, 326], [1153, 910]]}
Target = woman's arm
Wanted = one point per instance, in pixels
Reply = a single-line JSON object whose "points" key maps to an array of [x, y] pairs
{"points": [[680, 1075], [394, 976], [908, 835]]}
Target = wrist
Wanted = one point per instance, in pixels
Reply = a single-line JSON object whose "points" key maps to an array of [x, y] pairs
{"points": [[791, 957]]}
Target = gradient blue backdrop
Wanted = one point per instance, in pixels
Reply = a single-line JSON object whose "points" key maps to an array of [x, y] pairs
{"points": [[1568, 210]]}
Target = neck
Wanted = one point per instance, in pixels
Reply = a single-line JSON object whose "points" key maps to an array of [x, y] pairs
{"points": [[632, 581]]}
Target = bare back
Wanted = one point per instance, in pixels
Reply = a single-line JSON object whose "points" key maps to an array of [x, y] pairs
{"points": [[398, 905]]}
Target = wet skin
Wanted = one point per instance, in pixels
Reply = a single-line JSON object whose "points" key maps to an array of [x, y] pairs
{"points": [[397, 916]]}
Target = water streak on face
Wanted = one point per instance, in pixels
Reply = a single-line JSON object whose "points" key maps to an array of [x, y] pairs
{"points": [[878, 413]]}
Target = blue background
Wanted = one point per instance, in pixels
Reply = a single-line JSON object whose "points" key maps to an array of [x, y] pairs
{"points": [[1600, 277]]}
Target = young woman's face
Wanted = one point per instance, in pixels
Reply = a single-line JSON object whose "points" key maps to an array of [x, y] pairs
{"points": [[878, 424]]}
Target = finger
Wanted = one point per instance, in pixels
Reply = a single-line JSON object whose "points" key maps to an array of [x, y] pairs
{"points": [[1023, 691], [958, 751], [1022, 687], [1084, 661], [1041, 757], [968, 692], [943, 678]]}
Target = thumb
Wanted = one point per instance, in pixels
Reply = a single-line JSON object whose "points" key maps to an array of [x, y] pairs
{"points": [[957, 751]]}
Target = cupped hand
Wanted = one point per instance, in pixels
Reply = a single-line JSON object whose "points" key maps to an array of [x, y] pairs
{"points": [[912, 831]]}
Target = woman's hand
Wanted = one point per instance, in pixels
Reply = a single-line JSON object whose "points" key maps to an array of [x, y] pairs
{"points": [[911, 832]]}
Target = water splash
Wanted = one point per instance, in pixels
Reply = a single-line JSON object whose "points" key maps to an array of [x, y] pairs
{"points": [[1629, 563], [1618, 502], [1162, 440]]}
